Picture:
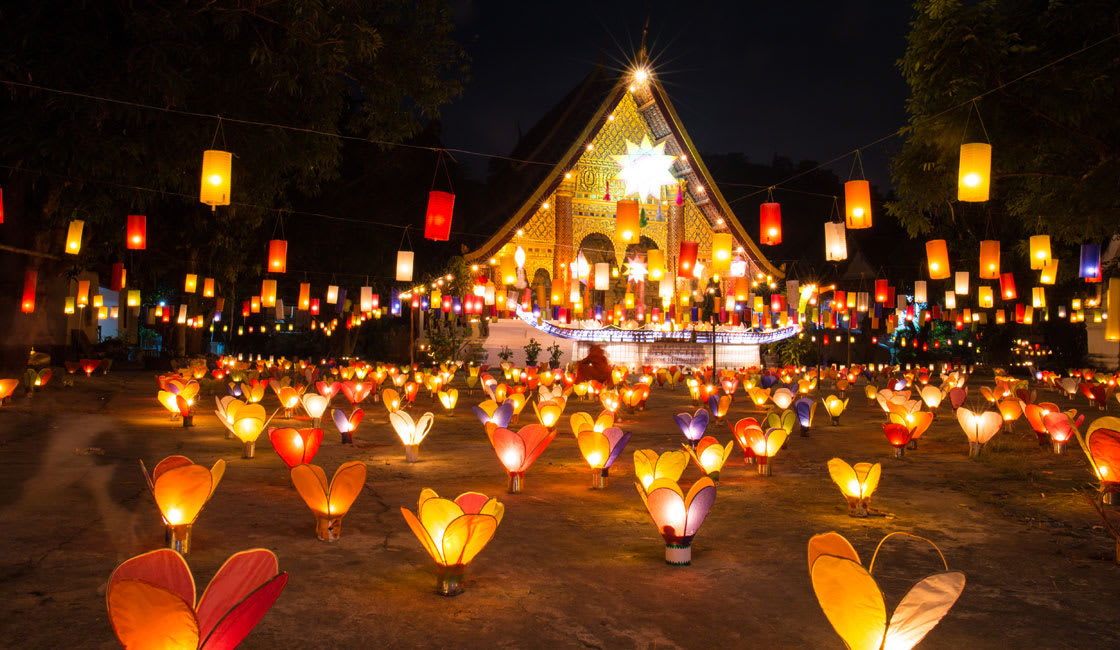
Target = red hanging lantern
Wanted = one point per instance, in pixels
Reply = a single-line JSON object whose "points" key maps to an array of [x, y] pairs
{"points": [[437, 222], [770, 224], [314, 306], [136, 234], [1007, 286], [880, 291], [278, 256], [687, 260], [116, 282], [30, 279], [245, 306]]}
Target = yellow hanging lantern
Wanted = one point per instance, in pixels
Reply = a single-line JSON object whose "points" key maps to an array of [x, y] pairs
{"points": [[1040, 252], [268, 293], [984, 297], [655, 264], [74, 236], [721, 253], [190, 285], [1049, 272], [134, 298], [508, 267], [1112, 327], [974, 177], [216, 166]]}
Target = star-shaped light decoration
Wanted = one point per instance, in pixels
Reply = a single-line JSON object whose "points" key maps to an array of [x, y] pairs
{"points": [[644, 168], [636, 269]]}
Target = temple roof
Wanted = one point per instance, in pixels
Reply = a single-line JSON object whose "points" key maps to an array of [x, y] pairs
{"points": [[560, 138]]}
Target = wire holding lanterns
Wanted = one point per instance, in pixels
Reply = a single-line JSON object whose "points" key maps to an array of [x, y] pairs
{"points": [[441, 205]]}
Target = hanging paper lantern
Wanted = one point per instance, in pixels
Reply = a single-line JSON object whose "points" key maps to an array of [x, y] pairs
{"points": [[304, 301], [984, 297], [937, 255], [215, 189], [437, 220], [117, 277], [989, 259], [961, 283], [208, 288], [602, 276], [332, 294], [920, 291], [1040, 251], [454, 532], [626, 224], [655, 264], [30, 279], [134, 298], [1049, 273], [74, 236], [136, 233], [770, 224], [190, 285], [268, 292], [835, 242], [881, 291], [404, 265], [686, 261], [721, 253], [508, 268], [1112, 303], [857, 204], [277, 256], [1007, 286], [975, 174], [1090, 267]]}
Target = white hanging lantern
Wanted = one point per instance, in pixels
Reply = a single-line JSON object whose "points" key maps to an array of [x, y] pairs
{"points": [[404, 265], [332, 294], [835, 242], [920, 291], [950, 300], [366, 303], [602, 276], [962, 283]]}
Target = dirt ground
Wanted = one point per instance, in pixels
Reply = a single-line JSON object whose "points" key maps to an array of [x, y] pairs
{"points": [[569, 566]]}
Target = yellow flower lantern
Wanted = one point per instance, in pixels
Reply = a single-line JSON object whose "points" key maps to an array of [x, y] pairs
{"points": [[580, 421], [710, 456], [975, 173], [854, 604], [329, 502], [454, 532], [765, 445], [391, 399], [782, 398], [1010, 410], [649, 466], [248, 423], [600, 450], [449, 398], [548, 413], [411, 433], [857, 483], [835, 406], [181, 488]]}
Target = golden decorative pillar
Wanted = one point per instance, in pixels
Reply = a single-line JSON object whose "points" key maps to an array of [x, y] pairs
{"points": [[564, 251], [675, 235]]}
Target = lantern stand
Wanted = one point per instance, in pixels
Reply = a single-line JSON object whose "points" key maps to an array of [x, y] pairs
{"points": [[179, 538], [449, 580]]}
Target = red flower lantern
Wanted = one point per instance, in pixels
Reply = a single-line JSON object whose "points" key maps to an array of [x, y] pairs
{"points": [[136, 234], [437, 222], [899, 436], [770, 224]]}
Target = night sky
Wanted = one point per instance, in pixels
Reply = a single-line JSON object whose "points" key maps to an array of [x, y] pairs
{"points": [[806, 80]]}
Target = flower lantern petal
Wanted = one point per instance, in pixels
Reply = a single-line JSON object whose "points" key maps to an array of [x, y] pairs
{"points": [[146, 616], [922, 608], [510, 449], [831, 543], [850, 600], [311, 483], [844, 475], [181, 492], [422, 534], [699, 501], [472, 502], [345, 487], [665, 503], [618, 440], [239, 577], [171, 462], [595, 447], [163, 568], [537, 438], [466, 536]]}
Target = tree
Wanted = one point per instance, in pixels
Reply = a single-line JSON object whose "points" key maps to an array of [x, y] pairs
{"points": [[1056, 142], [377, 70]]}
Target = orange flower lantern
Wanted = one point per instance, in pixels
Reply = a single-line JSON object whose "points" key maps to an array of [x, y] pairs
{"points": [[857, 483], [454, 532], [296, 446], [710, 456], [518, 450], [329, 502], [1101, 445], [181, 488], [600, 450], [151, 600]]}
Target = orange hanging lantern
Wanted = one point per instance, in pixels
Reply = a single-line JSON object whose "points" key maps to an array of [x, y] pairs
{"points": [[136, 234], [74, 236], [304, 296], [857, 204], [30, 279], [721, 253], [190, 284], [975, 175], [687, 259], [627, 224], [437, 220], [770, 224], [215, 188], [989, 259], [208, 288], [937, 254], [278, 256], [655, 264]]}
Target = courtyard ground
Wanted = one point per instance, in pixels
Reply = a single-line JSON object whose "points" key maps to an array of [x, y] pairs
{"points": [[570, 567]]}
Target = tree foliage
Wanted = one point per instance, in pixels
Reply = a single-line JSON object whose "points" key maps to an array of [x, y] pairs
{"points": [[1054, 133]]}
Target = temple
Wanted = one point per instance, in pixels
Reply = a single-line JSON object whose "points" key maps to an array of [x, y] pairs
{"points": [[615, 233]]}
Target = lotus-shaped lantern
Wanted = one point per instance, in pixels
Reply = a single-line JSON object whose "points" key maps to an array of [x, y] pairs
{"points": [[804, 408], [517, 450], [899, 436], [634, 397], [315, 405], [853, 602], [745, 430], [1101, 445], [871, 391], [454, 532], [1010, 409], [600, 450], [759, 396], [289, 399], [181, 488], [978, 427], [411, 432], [518, 401], [765, 445], [356, 391], [710, 456], [7, 387], [916, 422], [782, 398], [548, 413], [248, 423], [449, 398], [151, 600], [253, 392], [490, 412], [347, 424], [693, 426], [678, 516], [329, 502], [857, 483], [1061, 426], [932, 397], [177, 405], [328, 389], [391, 399], [410, 391], [296, 446], [580, 421], [835, 407], [649, 466], [1035, 414], [957, 396]]}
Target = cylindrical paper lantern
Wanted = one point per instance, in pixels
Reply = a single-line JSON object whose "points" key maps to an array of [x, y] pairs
{"points": [[332, 294], [655, 264], [920, 291], [190, 285], [950, 300], [770, 224], [404, 266], [984, 296], [835, 242], [136, 233], [1007, 286], [1049, 273], [208, 287], [215, 189], [989, 259], [627, 221], [602, 276], [1090, 267], [857, 204], [1112, 327], [437, 220], [30, 279], [278, 256], [74, 236], [365, 302], [304, 302], [975, 174], [117, 277], [937, 255], [508, 268], [1038, 298], [687, 259], [881, 290], [254, 304], [1040, 251], [134, 298], [961, 283], [721, 253], [268, 293]]}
